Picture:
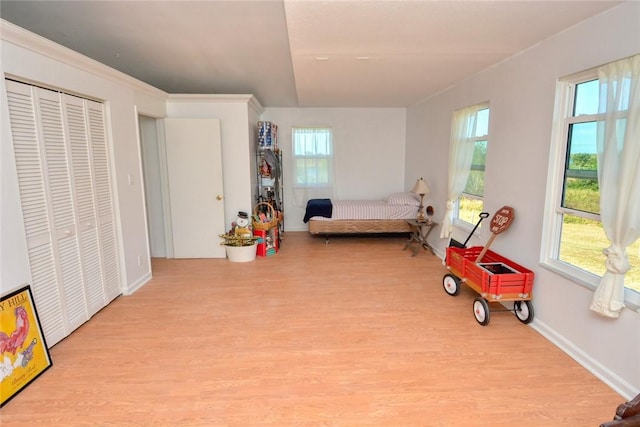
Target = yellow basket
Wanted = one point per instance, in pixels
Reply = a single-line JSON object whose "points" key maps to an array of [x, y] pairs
{"points": [[259, 225]]}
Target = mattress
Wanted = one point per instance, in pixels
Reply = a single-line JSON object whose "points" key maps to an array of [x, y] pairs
{"points": [[368, 210]]}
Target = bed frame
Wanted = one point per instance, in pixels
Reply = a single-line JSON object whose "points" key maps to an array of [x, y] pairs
{"points": [[348, 226]]}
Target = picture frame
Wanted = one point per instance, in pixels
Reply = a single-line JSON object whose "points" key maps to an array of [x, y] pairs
{"points": [[24, 354]]}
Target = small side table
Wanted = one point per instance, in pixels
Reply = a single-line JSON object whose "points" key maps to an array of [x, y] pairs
{"points": [[420, 232]]}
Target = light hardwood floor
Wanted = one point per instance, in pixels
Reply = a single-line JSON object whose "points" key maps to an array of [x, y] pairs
{"points": [[354, 333]]}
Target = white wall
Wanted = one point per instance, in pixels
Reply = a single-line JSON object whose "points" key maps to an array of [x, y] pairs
{"points": [[369, 150], [254, 118], [31, 58], [236, 114], [521, 93]]}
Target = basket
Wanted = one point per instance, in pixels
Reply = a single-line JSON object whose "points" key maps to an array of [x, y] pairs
{"points": [[259, 225]]}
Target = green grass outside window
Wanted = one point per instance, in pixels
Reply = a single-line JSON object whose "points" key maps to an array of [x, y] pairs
{"points": [[582, 240]]}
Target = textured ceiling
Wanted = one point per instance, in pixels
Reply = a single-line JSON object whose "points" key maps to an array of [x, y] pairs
{"points": [[301, 53]]}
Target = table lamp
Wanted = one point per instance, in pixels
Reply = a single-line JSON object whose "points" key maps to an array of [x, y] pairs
{"points": [[422, 189]]}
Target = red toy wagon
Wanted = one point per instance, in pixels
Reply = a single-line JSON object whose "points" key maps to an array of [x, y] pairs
{"points": [[493, 276]]}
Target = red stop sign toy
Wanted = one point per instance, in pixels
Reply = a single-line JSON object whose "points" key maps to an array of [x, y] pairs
{"points": [[501, 220]]}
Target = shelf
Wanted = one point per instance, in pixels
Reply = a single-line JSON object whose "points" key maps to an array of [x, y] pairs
{"points": [[269, 170]]}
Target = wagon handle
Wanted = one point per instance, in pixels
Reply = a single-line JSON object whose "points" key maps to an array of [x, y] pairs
{"points": [[482, 216]]}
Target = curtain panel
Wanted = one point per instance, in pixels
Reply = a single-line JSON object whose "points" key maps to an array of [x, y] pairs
{"points": [[461, 146], [618, 152]]}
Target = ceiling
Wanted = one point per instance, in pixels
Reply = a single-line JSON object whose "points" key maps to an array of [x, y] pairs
{"points": [[301, 53]]}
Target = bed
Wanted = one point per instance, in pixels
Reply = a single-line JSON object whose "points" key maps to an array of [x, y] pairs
{"points": [[387, 215]]}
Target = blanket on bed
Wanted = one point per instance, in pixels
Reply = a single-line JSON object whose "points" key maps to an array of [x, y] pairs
{"points": [[318, 207]]}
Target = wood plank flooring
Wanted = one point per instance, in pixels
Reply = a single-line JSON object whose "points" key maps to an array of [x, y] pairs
{"points": [[354, 333]]}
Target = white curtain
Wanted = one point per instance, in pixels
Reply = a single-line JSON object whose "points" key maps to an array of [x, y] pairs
{"points": [[314, 171], [461, 146], [618, 147]]}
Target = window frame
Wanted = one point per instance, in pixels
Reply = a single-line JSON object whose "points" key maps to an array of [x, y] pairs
{"points": [[327, 185], [554, 211], [457, 221]]}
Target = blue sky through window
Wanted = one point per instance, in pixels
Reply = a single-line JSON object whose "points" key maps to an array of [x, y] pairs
{"points": [[482, 125], [583, 137]]}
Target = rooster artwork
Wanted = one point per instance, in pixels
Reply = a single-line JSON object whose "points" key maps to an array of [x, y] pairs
{"points": [[24, 355], [11, 343], [16, 339]]}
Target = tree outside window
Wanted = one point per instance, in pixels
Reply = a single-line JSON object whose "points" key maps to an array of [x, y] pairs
{"points": [[470, 203]]}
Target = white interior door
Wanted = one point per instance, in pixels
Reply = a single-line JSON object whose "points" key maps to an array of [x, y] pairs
{"points": [[194, 164]]}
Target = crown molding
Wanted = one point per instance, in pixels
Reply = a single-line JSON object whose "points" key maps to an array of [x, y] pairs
{"points": [[18, 36], [249, 99], [255, 104]]}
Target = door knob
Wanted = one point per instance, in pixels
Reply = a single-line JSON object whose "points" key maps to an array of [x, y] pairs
{"points": [[218, 197]]}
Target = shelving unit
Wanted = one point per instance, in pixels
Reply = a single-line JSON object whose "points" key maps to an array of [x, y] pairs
{"points": [[269, 174]]}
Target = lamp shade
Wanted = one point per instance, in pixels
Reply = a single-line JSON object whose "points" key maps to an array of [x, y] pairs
{"points": [[421, 187]]}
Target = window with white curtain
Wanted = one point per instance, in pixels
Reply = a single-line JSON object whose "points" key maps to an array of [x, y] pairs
{"points": [[471, 201], [467, 154], [313, 164], [575, 238]]}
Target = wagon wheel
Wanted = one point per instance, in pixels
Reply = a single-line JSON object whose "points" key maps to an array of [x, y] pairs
{"points": [[481, 311], [451, 284], [524, 312]]}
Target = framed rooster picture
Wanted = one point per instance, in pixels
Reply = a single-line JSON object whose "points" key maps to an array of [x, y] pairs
{"points": [[23, 351]]}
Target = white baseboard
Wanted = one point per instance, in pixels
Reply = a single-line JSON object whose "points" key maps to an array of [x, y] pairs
{"points": [[613, 380], [132, 287]]}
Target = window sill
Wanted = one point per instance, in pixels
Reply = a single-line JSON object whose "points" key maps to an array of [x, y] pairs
{"points": [[589, 281]]}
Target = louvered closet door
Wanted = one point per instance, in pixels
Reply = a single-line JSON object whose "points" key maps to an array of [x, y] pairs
{"points": [[61, 174], [44, 278], [76, 129], [104, 197], [58, 184]]}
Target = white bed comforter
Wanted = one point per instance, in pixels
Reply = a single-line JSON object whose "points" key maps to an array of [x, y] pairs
{"points": [[369, 209]]}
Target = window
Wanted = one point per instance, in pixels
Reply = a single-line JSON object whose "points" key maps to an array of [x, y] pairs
{"points": [[575, 238], [470, 202], [313, 155], [313, 164]]}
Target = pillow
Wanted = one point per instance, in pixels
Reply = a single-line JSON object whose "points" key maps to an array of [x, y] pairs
{"points": [[403, 199]]}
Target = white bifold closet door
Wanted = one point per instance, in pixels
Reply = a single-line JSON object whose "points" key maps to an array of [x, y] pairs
{"points": [[62, 162]]}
